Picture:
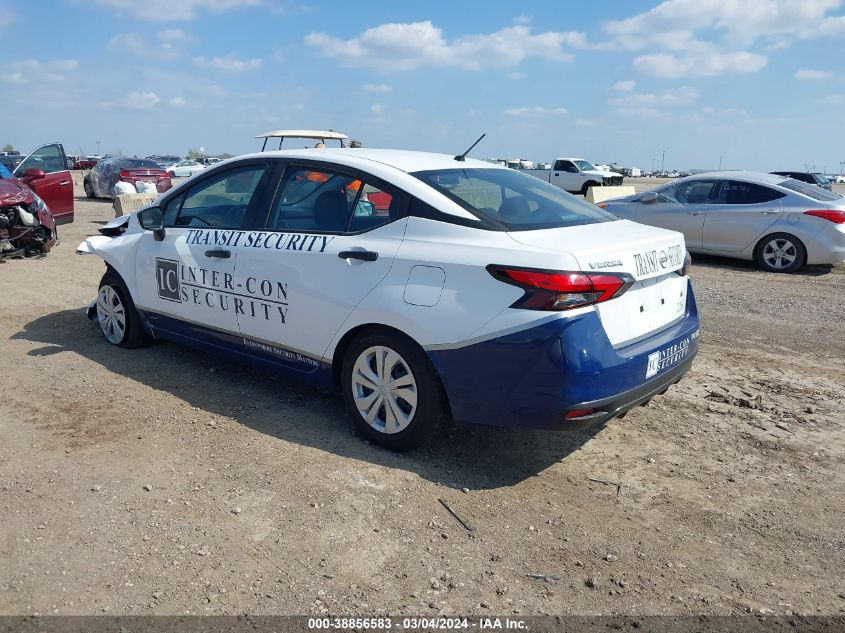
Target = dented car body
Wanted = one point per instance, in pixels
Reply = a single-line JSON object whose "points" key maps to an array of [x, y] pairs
{"points": [[27, 227]]}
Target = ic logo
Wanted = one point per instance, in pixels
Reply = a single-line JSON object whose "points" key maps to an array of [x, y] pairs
{"points": [[167, 276], [664, 259], [653, 364]]}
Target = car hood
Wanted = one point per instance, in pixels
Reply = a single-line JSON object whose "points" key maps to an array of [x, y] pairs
{"points": [[13, 191]]}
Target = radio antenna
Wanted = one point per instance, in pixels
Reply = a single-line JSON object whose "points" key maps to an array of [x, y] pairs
{"points": [[463, 157]]}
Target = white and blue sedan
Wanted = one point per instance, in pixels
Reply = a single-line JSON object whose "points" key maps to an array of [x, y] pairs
{"points": [[423, 287]]}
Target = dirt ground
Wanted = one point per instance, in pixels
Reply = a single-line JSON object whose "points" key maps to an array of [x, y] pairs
{"points": [[166, 481]]}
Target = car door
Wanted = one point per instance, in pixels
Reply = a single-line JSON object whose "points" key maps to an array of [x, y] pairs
{"points": [[680, 207], [740, 213], [186, 281], [52, 180], [330, 237], [566, 175]]}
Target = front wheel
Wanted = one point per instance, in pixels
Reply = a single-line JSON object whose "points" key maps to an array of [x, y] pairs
{"points": [[392, 391], [89, 190], [780, 253], [586, 187], [116, 314]]}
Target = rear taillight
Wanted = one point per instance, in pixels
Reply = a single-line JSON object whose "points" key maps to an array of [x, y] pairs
{"points": [[559, 290], [837, 217], [125, 174]]}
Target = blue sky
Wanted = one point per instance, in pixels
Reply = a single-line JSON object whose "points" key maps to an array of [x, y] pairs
{"points": [[757, 84]]}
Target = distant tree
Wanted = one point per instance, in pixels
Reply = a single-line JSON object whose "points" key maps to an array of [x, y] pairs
{"points": [[8, 147], [193, 154], [226, 155]]}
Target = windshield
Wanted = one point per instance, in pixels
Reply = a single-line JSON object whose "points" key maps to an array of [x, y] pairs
{"points": [[811, 191], [584, 165], [508, 200]]}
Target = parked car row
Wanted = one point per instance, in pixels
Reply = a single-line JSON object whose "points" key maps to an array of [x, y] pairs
{"points": [[101, 180]]}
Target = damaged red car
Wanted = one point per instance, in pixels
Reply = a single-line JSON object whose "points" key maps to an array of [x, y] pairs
{"points": [[27, 225]]}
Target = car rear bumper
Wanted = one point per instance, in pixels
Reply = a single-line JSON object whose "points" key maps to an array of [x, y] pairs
{"points": [[534, 377]]}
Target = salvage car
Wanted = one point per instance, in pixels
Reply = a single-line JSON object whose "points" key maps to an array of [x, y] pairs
{"points": [[101, 180], [27, 228], [424, 287], [779, 222], [45, 172], [819, 180]]}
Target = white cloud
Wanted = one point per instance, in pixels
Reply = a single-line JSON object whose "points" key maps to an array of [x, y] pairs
{"points": [[668, 98], [135, 101], [813, 74], [713, 37], [533, 111], [230, 63], [624, 86], [376, 88], [702, 64], [407, 46], [831, 100], [516, 75], [134, 44], [172, 35], [177, 102], [36, 71], [169, 10], [377, 109]]}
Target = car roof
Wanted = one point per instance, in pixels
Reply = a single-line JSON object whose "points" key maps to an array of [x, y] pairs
{"points": [[403, 160], [749, 176]]}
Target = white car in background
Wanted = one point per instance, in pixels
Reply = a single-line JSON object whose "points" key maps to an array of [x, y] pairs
{"points": [[423, 287], [777, 221], [185, 168], [576, 175]]}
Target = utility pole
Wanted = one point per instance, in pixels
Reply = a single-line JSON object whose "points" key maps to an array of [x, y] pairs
{"points": [[720, 163], [652, 166], [663, 163], [841, 167], [98, 147]]}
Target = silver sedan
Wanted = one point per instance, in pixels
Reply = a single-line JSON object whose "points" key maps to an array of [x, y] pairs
{"points": [[778, 222]]}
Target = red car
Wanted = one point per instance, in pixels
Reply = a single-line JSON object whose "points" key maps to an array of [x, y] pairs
{"points": [[84, 162], [45, 172], [27, 227]]}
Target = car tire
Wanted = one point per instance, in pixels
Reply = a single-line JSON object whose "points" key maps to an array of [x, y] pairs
{"points": [[89, 190], [780, 253], [171, 174], [117, 316], [402, 418], [586, 186]]}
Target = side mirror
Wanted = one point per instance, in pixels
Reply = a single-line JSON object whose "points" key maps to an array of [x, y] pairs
{"points": [[152, 219], [649, 197], [33, 174]]}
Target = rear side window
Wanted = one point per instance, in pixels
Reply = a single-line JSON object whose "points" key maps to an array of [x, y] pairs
{"points": [[691, 191], [736, 192], [811, 191], [507, 200], [314, 200]]}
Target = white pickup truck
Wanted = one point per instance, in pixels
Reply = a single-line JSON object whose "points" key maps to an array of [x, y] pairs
{"points": [[575, 175]]}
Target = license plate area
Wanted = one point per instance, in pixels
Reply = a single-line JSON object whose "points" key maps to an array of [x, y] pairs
{"points": [[647, 307]]}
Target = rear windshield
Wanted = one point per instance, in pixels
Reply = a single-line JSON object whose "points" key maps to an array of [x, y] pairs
{"points": [[508, 200], [139, 162], [812, 191]]}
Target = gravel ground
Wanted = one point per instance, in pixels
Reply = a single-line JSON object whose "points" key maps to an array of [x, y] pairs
{"points": [[165, 481]]}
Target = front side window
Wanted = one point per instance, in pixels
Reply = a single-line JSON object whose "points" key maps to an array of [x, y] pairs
{"points": [[220, 201], [314, 200], [48, 159], [506, 200]]}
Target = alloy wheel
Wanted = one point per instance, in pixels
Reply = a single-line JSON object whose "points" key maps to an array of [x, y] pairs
{"points": [[111, 314], [384, 389], [779, 253]]}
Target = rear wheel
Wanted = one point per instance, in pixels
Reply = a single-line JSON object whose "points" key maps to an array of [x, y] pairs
{"points": [[392, 392], [116, 314], [89, 190], [171, 174], [780, 253]]}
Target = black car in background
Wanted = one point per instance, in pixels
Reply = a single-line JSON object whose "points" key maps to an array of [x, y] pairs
{"points": [[805, 176]]}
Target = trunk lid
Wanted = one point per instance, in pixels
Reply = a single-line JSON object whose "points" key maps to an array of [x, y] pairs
{"points": [[651, 255]]}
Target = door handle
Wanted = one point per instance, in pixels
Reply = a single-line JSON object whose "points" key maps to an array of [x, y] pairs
{"points": [[222, 254], [768, 212], [366, 256], [695, 212], [64, 183]]}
